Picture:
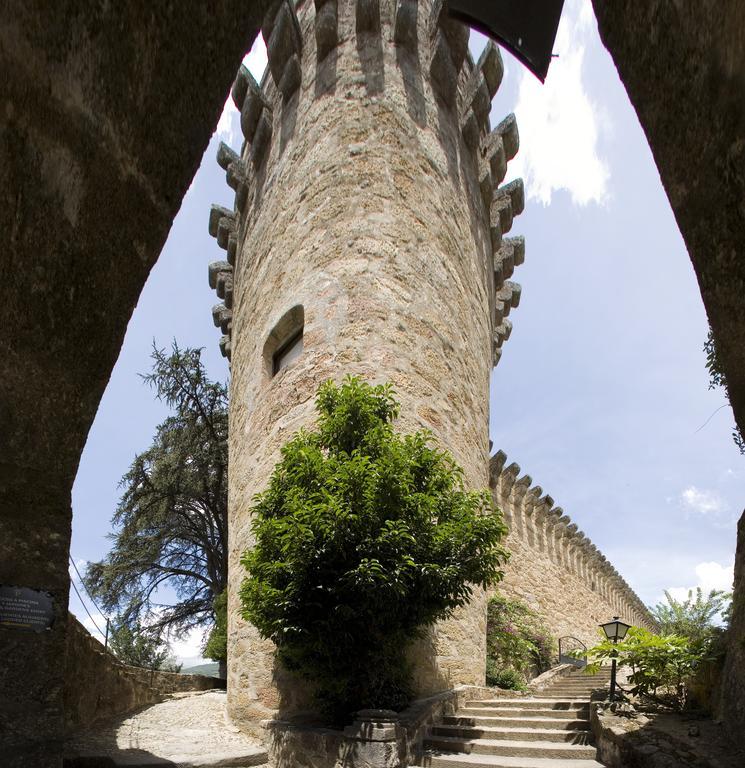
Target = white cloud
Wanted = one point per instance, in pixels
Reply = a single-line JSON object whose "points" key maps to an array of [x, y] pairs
{"points": [[228, 127], [702, 502], [188, 649], [709, 575], [256, 60], [229, 123], [559, 125]]}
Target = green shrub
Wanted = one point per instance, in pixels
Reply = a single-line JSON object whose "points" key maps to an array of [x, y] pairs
{"points": [[517, 641], [363, 538], [662, 666], [507, 677]]}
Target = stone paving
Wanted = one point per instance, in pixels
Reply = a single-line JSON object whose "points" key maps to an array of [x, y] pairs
{"points": [[188, 730]]}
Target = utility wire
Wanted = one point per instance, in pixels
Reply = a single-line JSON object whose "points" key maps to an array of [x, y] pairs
{"points": [[72, 581], [711, 417], [82, 583]]}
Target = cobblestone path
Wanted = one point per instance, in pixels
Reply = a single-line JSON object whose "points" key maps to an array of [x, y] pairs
{"points": [[188, 730]]}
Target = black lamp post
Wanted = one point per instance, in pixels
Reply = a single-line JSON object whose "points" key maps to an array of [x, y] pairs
{"points": [[614, 630]]}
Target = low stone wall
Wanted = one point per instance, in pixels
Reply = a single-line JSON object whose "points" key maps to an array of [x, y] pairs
{"points": [[376, 739], [554, 567], [99, 687], [632, 742]]}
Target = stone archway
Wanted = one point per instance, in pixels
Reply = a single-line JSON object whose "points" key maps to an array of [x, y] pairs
{"points": [[105, 113]]}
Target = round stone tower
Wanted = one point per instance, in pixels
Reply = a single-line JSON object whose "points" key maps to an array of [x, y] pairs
{"points": [[366, 238]]}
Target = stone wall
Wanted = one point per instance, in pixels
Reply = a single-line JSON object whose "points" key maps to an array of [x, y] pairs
{"points": [[368, 207], [731, 703], [105, 113], [554, 567], [99, 687]]}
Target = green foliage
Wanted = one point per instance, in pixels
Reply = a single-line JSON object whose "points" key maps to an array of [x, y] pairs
{"points": [[363, 538], [507, 678], [693, 618], [518, 645], [141, 646], [718, 379], [662, 665], [217, 643], [171, 522]]}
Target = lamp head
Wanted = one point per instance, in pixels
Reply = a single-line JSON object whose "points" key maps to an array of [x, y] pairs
{"points": [[615, 630]]}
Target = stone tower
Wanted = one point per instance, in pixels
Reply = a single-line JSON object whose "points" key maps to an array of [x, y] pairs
{"points": [[366, 238]]}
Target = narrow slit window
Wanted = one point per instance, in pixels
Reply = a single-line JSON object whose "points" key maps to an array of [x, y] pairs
{"points": [[284, 345], [288, 352]]}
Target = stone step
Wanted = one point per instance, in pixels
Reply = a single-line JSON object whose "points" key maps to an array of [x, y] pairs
{"points": [[519, 721], [509, 747], [530, 701], [503, 761], [562, 714], [522, 733], [566, 694], [578, 683], [579, 707]]}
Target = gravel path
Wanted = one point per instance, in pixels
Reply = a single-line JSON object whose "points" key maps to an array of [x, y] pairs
{"points": [[188, 730]]}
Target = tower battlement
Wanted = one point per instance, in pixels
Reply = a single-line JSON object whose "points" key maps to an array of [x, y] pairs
{"points": [[304, 43]]}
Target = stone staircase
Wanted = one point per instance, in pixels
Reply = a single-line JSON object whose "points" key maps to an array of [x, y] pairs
{"points": [[546, 729]]}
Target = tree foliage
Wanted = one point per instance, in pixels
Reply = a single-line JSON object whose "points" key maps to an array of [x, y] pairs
{"points": [[141, 646], [662, 665], [216, 647], [693, 618], [718, 379], [518, 644], [363, 538], [171, 522]]}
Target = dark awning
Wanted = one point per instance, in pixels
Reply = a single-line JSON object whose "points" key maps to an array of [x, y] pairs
{"points": [[527, 28]]}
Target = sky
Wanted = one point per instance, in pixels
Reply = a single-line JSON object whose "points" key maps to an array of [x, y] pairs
{"points": [[601, 394]]}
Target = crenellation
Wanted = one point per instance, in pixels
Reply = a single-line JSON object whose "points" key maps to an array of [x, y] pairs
{"points": [[367, 17], [215, 269], [507, 129], [262, 139], [326, 27], [221, 317], [501, 210], [251, 100], [455, 33], [226, 156], [555, 562], [491, 64], [516, 191], [470, 130], [405, 25], [217, 213], [284, 44]]}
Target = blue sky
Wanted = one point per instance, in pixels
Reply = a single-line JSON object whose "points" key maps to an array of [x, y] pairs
{"points": [[601, 392]]}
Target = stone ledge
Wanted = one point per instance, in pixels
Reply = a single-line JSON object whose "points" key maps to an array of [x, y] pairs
{"points": [[376, 739], [632, 739]]}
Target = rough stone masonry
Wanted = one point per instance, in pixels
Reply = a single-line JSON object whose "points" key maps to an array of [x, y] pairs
{"points": [[369, 217]]}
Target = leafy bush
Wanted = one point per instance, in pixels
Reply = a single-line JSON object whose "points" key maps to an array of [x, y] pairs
{"points": [[694, 618], [507, 678], [363, 538], [517, 642], [662, 665]]}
